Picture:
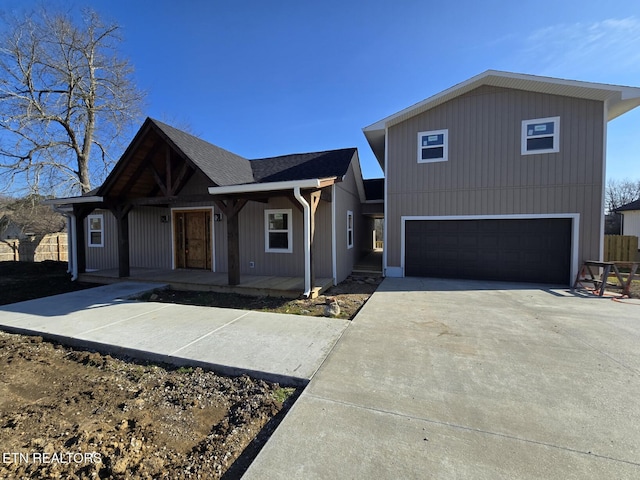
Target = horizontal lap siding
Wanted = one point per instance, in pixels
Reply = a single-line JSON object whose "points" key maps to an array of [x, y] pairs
{"points": [[487, 175]]}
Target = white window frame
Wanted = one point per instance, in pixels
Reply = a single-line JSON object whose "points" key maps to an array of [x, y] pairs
{"points": [[288, 230], [349, 229], [445, 146], [90, 230], [526, 135]]}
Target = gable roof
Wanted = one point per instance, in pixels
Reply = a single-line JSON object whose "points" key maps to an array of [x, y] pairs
{"points": [[221, 166], [303, 166], [620, 99], [635, 205], [144, 160]]}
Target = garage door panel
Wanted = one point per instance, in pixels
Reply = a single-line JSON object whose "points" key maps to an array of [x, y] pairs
{"points": [[531, 250]]}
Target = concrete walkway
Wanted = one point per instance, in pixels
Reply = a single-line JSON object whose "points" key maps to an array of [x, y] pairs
{"points": [[283, 348], [467, 380]]}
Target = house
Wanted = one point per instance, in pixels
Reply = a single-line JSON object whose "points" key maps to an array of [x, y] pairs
{"points": [[630, 218], [176, 202], [500, 177]]}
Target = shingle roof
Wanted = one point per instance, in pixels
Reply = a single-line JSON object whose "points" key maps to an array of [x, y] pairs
{"points": [[220, 165], [302, 166], [374, 188], [629, 206]]}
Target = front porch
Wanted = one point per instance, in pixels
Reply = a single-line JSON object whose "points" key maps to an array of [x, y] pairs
{"points": [[203, 280]]}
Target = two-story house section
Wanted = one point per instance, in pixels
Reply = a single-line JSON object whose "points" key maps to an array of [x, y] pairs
{"points": [[500, 177]]}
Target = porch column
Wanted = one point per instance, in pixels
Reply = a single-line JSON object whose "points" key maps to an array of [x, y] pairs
{"points": [[231, 208], [121, 212], [313, 200]]}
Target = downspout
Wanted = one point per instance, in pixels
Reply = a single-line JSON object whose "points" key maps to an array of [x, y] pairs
{"points": [[334, 257], [72, 248], [307, 241]]}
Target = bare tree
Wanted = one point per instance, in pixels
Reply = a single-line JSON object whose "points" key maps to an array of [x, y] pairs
{"points": [[621, 192], [65, 98], [32, 216]]}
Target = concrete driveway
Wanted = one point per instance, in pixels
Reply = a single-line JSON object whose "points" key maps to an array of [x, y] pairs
{"points": [[277, 347], [461, 379]]}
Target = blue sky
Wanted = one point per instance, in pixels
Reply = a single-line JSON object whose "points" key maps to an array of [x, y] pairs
{"points": [[266, 78]]}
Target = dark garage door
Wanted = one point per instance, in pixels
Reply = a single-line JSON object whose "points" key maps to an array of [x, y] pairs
{"points": [[514, 250]]}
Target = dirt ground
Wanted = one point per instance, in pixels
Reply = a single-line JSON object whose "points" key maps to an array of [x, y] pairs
{"points": [[71, 414], [350, 296], [67, 413]]}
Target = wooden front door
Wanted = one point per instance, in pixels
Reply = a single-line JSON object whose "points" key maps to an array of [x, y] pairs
{"points": [[193, 239]]}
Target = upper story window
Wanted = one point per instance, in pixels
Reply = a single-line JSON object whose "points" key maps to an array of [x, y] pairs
{"points": [[96, 230], [433, 146], [278, 231], [541, 135]]}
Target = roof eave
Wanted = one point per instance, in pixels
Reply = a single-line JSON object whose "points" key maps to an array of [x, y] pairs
{"points": [[74, 200], [315, 183]]}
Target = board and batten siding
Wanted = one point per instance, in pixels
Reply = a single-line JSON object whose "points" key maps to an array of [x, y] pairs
{"points": [[347, 199], [251, 224], [105, 257], [486, 173], [149, 240]]}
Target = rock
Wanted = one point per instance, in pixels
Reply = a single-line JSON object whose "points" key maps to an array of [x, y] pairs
{"points": [[332, 309], [153, 297]]}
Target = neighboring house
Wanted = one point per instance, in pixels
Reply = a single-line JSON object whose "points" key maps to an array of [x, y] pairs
{"points": [[630, 218], [9, 230], [174, 201], [500, 177]]}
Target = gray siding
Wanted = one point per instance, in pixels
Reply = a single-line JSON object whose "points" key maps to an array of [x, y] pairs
{"points": [[100, 258], [486, 173], [252, 242], [346, 198], [150, 238]]}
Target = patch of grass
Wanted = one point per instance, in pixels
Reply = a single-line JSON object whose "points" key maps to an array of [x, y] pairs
{"points": [[185, 370], [283, 393]]}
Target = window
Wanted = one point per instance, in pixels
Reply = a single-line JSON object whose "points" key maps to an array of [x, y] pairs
{"points": [[278, 232], [349, 229], [541, 135], [433, 146], [96, 230]]}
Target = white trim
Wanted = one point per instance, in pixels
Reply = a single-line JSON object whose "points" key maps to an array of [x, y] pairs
{"points": [[73, 200], [350, 229], [524, 136], [101, 230], [445, 146], [603, 182], [289, 230], [212, 229], [575, 232], [268, 187], [385, 225], [334, 243]]}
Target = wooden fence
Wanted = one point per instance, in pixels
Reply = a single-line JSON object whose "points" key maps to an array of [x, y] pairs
{"points": [[35, 249], [621, 248]]}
